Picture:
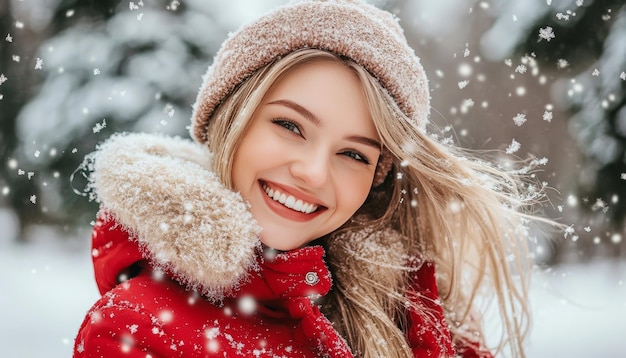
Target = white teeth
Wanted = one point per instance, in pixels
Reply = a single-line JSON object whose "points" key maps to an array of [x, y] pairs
{"points": [[290, 201]]}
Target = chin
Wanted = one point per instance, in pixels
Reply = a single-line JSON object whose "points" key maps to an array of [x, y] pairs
{"points": [[282, 242]]}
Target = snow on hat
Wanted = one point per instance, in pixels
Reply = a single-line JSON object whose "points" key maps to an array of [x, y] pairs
{"points": [[369, 36]]}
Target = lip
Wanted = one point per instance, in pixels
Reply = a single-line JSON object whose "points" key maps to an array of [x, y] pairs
{"points": [[284, 211]]}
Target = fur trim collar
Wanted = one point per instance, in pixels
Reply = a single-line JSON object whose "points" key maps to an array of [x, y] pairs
{"points": [[163, 192]]}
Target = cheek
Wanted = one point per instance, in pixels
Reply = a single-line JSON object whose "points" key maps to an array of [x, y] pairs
{"points": [[354, 191]]}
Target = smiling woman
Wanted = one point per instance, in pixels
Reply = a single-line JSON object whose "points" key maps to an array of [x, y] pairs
{"points": [[308, 145], [314, 216]]}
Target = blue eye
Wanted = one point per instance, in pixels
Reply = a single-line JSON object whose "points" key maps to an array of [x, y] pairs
{"points": [[288, 125], [356, 156]]}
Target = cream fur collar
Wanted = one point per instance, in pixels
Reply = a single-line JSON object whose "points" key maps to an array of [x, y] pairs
{"points": [[162, 190]]}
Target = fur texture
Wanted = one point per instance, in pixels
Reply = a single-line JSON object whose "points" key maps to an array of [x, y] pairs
{"points": [[163, 192]]}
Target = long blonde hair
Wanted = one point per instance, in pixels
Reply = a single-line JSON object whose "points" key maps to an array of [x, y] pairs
{"points": [[465, 215]]}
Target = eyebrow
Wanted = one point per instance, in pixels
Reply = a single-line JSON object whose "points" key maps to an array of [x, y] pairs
{"points": [[316, 121]]}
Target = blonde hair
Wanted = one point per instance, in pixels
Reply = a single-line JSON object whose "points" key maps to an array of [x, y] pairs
{"points": [[466, 216]]}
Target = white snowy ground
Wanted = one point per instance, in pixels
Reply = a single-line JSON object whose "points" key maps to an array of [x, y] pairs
{"points": [[47, 286]]}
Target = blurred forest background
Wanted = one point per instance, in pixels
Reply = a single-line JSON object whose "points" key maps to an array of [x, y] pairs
{"points": [[533, 79]]}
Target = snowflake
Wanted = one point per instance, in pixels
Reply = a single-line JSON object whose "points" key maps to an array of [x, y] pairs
{"points": [[547, 116], [169, 109], [562, 16], [623, 76], [568, 231], [33, 199], [513, 147], [579, 2], [9, 38], [3, 78], [466, 52], [595, 72], [173, 6], [96, 71], [100, 126], [139, 16], [247, 304], [463, 84], [39, 64], [623, 176], [519, 119], [546, 33], [561, 63], [466, 104], [508, 62], [15, 58], [521, 69], [212, 333], [133, 328], [19, 24], [69, 13]]}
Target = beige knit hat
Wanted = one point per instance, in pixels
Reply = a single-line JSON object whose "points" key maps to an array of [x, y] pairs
{"points": [[369, 36]]}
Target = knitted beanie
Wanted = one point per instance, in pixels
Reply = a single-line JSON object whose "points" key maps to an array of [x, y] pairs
{"points": [[351, 28]]}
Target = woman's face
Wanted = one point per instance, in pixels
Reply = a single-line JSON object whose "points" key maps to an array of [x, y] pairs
{"points": [[307, 160]]}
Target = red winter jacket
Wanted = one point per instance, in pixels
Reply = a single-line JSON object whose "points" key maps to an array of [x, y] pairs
{"points": [[178, 261], [271, 314]]}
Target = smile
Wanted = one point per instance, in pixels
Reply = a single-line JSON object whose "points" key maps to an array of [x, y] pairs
{"points": [[289, 201]]}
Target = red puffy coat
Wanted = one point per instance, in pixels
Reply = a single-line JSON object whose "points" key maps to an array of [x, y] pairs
{"points": [[177, 259]]}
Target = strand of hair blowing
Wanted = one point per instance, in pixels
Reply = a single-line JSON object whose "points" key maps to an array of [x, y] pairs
{"points": [[368, 275]]}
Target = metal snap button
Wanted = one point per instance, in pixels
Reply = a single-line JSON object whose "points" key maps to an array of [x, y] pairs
{"points": [[311, 278]]}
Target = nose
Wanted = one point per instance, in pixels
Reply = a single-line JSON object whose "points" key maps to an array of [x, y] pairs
{"points": [[311, 167]]}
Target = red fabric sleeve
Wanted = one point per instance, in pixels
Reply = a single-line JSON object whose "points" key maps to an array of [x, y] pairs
{"points": [[117, 331], [112, 251], [428, 332]]}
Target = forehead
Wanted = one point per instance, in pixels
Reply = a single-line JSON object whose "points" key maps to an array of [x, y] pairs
{"points": [[330, 89]]}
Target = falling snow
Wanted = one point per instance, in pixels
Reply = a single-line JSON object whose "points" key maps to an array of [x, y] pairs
{"points": [[623, 76], [463, 84], [521, 69], [3, 78], [173, 6], [100, 126], [169, 110], [513, 147], [561, 16], [547, 116], [595, 72], [39, 64], [33, 199], [9, 38], [519, 119], [562, 63], [546, 33]]}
